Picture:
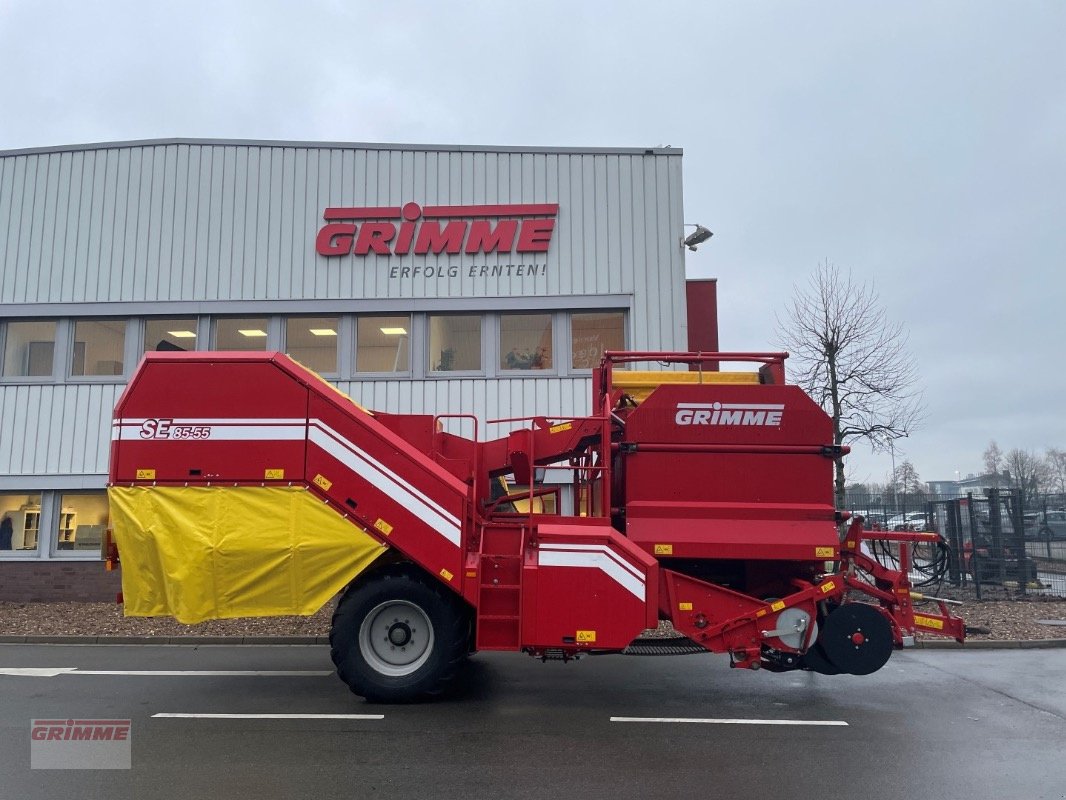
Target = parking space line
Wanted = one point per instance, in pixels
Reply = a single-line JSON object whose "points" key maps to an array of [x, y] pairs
{"points": [[169, 715], [816, 722], [52, 672]]}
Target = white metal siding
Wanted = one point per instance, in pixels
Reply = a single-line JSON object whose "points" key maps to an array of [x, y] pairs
{"points": [[213, 223]]}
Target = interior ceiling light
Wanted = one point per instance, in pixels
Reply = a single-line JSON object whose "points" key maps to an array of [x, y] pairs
{"points": [[251, 333], [394, 331], [182, 334], [323, 331]]}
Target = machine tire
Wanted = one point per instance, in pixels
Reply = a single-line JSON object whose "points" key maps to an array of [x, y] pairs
{"points": [[856, 638], [376, 621]]}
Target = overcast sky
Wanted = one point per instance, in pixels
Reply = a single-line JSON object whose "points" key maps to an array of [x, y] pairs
{"points": [[923, 147]]}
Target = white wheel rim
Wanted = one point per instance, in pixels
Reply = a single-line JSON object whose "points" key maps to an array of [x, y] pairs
{"points": [[396, 638]]}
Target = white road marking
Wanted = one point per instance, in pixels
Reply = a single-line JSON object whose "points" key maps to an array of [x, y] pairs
{"points": [[36, 672], [821, 722], [267, 716], [51, 672]]}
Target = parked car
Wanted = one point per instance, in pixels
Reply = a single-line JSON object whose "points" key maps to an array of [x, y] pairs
{"points": [[913, 521], [1051, 525]]}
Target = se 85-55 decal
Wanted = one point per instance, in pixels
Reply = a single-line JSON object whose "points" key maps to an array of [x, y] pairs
{"points": [[166, 429]]}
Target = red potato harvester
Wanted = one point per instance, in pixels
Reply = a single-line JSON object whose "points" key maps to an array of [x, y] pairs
{"points": [[242, 484]]}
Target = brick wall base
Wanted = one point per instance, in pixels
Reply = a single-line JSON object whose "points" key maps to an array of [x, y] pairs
{"points": [[56, 581]]}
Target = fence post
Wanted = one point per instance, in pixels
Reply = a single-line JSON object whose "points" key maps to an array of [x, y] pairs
{"points": [[1017, 522], [975, 566]]}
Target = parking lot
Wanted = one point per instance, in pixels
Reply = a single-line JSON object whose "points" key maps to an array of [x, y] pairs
{"points": [[209, 721]]}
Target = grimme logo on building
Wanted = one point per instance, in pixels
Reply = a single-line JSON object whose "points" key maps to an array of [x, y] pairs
{"points": [[764, 414], [523, 229]]}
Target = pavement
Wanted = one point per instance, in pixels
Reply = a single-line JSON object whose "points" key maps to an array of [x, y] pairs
{"points": [[944, 724]]}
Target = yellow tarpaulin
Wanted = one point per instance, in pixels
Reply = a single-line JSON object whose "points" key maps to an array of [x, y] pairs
{"points": [[639, 384], [200, 553]]}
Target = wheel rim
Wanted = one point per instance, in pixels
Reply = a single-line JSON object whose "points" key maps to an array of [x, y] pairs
{"points": [[396, 638]]}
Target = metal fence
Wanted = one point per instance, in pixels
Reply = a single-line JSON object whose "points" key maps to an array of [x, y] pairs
{"points": [[999, 543]]}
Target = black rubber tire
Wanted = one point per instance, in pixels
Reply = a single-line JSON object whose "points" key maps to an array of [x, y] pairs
{"points": [[447, 615]]}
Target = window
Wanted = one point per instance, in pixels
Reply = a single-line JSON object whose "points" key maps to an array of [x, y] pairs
{"points": [[383, 344], [30, 349], [170, 334], [593, 333], [313, 342], [241, 334], [20, 522], [454, 343], [98, 346], [82, 521], [526, 341]]}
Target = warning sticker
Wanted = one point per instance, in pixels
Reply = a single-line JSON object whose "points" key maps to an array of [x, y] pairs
{"points": [[146, 474], [565, 426], [929, 622], [385, 528], [664, 549], [823, 552], [322, 482], [446, 575], [777, 606], [586, 636], [273, 474], [828, 586], [684, 606]]}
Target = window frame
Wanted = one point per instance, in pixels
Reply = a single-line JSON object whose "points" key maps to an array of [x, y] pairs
{"points": [[417, 327], [497, 349], [486, 348], [68, 365], [340, 369], [626, 335], [58, 351]]}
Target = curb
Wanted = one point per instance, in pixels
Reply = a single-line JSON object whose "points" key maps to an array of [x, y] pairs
{"points": [[973, 644]]}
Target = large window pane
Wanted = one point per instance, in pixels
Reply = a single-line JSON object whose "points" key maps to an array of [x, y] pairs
{"points": [[170, 334], [454, 343], [526, 341], [313, 342], [241, 334], [98, 346], [20, 522], [82, 521], [593, 333], [383, 344], [30, 349]]}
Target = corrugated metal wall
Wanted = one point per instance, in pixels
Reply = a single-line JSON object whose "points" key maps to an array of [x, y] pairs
{"points": [[210, 224]]}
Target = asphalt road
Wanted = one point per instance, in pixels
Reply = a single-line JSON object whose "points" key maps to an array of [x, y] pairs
{"points": [[931, 724]]}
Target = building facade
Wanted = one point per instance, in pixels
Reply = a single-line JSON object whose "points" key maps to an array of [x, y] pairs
{"points": [[418, 279]]}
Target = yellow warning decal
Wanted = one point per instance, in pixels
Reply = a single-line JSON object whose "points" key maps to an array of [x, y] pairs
{"points": [[322, 482], [828, 586], [762, 612], [586, 636], [446, 575], [385, 528], [849, 544], [565, 426], [777, 605], [929, 622], [146, 474], [273, 474], [684, 606], [664, 549], [823, 552]]}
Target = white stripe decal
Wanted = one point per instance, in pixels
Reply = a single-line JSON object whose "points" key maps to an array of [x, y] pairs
{"points": [[222, 433], [555, 558], [383, 482], [175, 715], [369, 458], [596, 548]]}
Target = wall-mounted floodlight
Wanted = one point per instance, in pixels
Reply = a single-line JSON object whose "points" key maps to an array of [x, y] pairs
{"points": [[697, 237]]}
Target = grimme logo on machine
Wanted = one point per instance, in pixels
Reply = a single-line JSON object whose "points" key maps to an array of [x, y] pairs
{"points": [[523, 229], [738, 414]]}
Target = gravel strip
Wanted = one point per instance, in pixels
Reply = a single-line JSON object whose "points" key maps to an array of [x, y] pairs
{"points": [[997, 619]]}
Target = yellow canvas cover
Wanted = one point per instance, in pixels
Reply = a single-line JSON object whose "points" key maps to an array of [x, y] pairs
{"points": [[200, 553]]}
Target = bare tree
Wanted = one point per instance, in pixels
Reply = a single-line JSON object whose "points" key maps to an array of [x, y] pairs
{"points": [[853, 361], [1028, 472], [993, 461], [1056, 463]]}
